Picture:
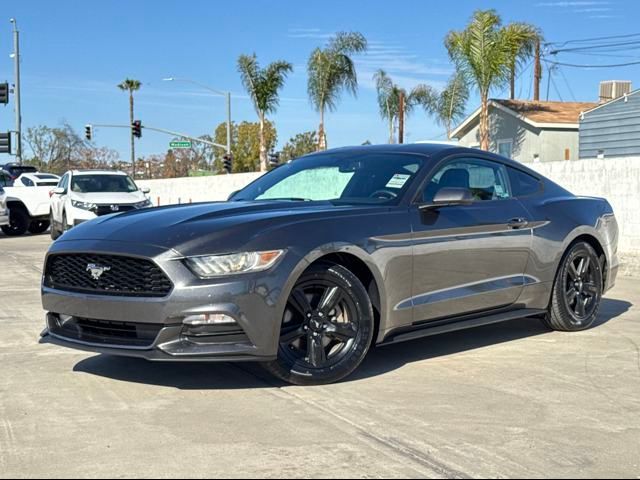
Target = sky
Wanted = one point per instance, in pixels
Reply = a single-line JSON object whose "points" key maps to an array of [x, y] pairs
{"points": [[74, 53]]}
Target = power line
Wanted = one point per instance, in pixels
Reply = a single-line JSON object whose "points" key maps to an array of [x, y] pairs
{"points": [[594, 39], [566, 82], [616, 46], [573, 65]]}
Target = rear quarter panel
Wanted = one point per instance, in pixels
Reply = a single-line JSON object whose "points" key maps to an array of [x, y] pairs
{"points": [[559, 221]]}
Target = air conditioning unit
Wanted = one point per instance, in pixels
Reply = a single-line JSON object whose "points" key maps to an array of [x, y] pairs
{"points": [[612, 89]]}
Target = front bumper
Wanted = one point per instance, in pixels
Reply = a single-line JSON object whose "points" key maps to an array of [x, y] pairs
{"points": [[170, 345], [4, 218], [253, 301]]}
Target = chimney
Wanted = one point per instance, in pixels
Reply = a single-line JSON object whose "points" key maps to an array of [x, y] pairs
{"points": [[612, 89]]}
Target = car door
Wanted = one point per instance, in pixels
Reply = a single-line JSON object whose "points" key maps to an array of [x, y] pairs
{"points": [[57, 200], [468, 258]]}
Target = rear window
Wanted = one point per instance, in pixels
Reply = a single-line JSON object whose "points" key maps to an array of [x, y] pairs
{"points": [[523, 184]]}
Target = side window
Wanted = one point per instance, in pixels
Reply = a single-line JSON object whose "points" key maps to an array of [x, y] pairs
{"points": [[486, 180], [27, 183], [64, 181], [4, 180], [523, 184]]}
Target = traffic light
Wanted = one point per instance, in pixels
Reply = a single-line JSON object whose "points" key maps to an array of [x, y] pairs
{"points": [[5, 142], [136, 128], [88, 132], [274, 159], [4, 93], [227, 162]]}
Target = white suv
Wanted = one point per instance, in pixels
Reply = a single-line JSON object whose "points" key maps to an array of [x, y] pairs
{"points": [[85, 195]]}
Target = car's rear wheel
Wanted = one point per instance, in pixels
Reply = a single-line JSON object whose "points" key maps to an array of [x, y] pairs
{"points": [[18, 222], [38, 226], [327, 327], [577, 291]]}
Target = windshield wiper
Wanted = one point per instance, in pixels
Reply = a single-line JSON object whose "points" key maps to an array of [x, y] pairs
{"points": [[289, 199]]}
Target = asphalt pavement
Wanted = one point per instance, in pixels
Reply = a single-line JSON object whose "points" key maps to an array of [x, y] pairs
{"points": [[509, 400]]}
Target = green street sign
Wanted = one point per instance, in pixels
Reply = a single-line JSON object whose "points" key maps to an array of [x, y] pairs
{"points": [[180, 144]]}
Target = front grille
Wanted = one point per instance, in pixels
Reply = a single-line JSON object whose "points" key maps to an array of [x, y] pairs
{"points": [[123, 276], [104, 332], [101, 210]]}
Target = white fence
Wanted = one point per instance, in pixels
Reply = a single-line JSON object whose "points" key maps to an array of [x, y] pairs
{"points": [[616, 179]]}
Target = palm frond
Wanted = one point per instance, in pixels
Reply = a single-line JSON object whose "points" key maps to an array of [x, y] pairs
{"points": [[332, 70]]}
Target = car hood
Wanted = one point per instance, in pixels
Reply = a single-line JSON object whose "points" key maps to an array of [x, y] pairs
{"points": [[207, 227], [109, 198]]}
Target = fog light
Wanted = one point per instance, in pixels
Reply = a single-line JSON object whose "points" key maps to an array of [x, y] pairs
{"points": [[208, 319]]}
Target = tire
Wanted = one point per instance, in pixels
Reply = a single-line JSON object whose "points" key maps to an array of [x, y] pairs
{"points": [[39, 226], [19, 222], [55, 233], [577, 290], [65, 224], [327, 327]]}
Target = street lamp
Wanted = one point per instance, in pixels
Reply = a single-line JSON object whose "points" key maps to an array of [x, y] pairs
{"points": [[227, 95]]}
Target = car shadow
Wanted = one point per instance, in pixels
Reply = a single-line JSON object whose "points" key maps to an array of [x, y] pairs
{"points": [[228, 376]]}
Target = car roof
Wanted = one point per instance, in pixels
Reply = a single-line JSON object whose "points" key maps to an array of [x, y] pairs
{"points": [[430, 149], [97, 172]]}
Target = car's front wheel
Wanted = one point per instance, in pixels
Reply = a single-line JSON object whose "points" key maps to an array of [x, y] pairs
{"points": [[577, 291], [327, 327], [18, 222]]}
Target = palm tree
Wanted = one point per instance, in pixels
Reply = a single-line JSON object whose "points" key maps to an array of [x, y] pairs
{"points": [[263, 85], [130, 85], [484, 52], [330, 71], [449, 105], [389, 99]]}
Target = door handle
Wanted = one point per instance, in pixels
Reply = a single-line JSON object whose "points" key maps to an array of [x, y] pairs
{"points": [[517, 223]]}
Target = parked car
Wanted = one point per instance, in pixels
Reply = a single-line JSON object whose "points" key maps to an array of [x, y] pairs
{"points": [[37, 180], [316, 261], [4, 211], [84, 195], [14, 170], [29, 207]]}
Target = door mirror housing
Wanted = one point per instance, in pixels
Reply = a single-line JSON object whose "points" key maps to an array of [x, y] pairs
{"points": [[450, 197], [58, 191], [145, 190]]}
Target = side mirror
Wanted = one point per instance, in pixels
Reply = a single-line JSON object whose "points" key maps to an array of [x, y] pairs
{"points": [[145, 190], [58, 191], [231, 195], [449, 197]]}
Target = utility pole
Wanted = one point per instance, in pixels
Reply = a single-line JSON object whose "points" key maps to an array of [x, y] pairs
{"points": [[401, 117], [16, 60], [228, 124], [537, 74]]}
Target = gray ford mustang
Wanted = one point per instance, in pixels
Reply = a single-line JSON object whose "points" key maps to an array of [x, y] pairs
{"points": [[315, 262]]}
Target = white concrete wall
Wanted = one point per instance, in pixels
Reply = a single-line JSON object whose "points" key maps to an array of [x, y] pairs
{"points": [[616, 179], [196, 189]]}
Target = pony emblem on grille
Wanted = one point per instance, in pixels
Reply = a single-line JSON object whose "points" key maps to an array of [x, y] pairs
{"points": [[97, 270]]}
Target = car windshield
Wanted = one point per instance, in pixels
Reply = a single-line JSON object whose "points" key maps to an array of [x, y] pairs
{"points": [[102, 184], [341, 177]]}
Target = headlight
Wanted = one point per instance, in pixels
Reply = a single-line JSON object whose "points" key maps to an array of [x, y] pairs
{"points": [[83, 205], [144, 204], [218, 265]]}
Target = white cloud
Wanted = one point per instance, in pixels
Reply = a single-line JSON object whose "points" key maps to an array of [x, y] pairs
{"points": [[572, 4]]}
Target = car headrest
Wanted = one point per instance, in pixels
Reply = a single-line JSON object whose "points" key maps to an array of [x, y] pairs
{"points": [[455, 178]]}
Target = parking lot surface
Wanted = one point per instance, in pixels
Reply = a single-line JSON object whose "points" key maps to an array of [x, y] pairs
{"points": [[510, 400]]}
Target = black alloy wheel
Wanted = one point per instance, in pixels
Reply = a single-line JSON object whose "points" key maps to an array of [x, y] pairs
{"points": [[577, 291], [327, 327]]}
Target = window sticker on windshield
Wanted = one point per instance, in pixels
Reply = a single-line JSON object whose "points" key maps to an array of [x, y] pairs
{"points": [[398, 180]]}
